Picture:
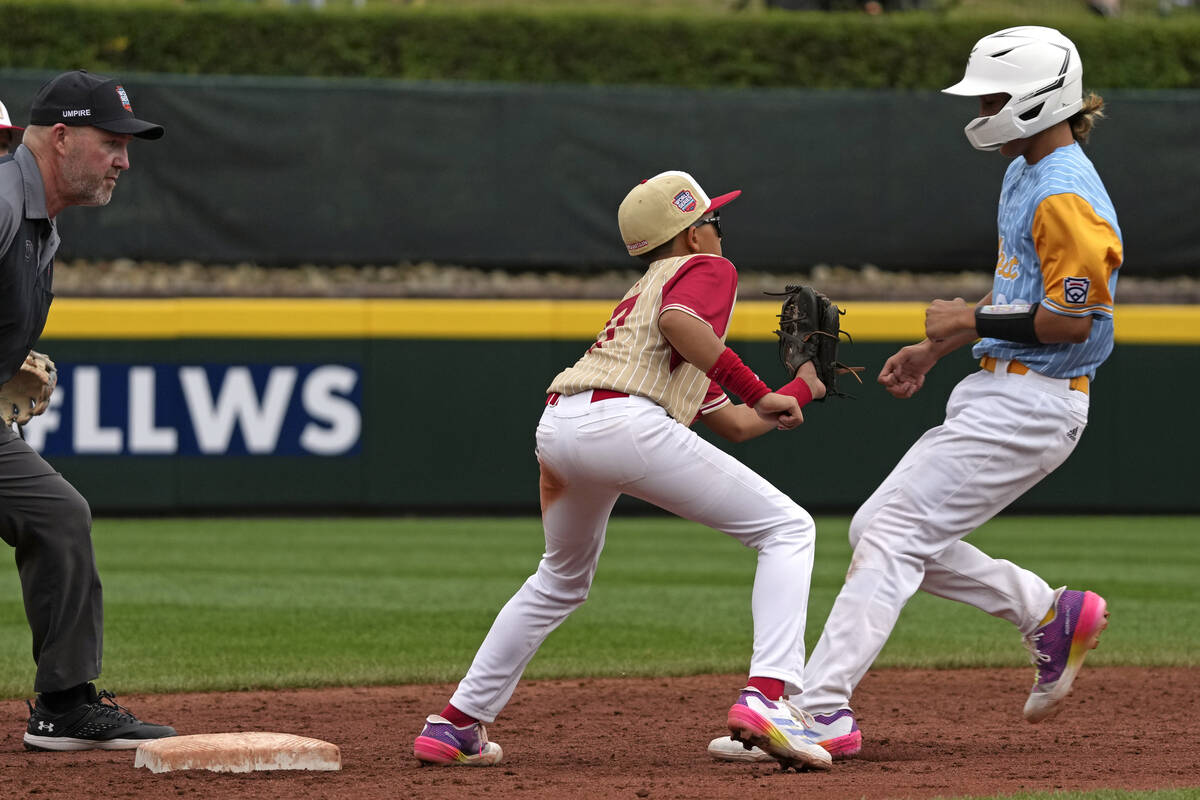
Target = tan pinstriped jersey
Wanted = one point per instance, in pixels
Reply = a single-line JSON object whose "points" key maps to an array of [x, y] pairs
{"points": [[631, 355]]}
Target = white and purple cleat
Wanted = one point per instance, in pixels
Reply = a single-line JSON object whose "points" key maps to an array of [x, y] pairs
{"points": [[777, 728], [442, 743], [837, 733], [1058, 647]]}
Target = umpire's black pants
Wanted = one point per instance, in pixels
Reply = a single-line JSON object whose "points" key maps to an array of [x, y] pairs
{"points": [[50, 525]]}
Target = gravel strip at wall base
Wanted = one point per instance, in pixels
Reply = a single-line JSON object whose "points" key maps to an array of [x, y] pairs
{"points": [[129, 278]]}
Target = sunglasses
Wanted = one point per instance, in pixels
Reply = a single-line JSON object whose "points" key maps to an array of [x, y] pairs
{"points": [[714, 220]]}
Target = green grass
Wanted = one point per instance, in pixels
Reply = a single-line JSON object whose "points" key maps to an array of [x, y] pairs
{"points": [[228, 603]]}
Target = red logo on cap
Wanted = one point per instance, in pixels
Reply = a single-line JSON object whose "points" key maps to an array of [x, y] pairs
{"points": [[685, 202], [124, 99]]}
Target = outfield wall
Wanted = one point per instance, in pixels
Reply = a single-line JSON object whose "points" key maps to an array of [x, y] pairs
{"points": [[430, 406], [330, 171]]}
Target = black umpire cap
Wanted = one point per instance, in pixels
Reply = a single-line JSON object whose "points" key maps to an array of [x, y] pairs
{"points": [[81, 98]]}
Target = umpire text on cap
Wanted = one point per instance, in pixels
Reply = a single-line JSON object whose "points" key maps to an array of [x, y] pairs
{"points": [[81, 98]]}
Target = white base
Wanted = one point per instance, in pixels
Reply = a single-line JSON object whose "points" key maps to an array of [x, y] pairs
{"points": [[238, 752]]}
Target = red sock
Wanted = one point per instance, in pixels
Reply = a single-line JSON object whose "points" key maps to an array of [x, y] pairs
{"points": [[771, 688], [460, 720]]}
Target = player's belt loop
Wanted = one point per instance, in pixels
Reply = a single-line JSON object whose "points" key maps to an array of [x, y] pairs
{"points": [[1003, 367], [1079, 383], [606, 394], [596, 396]]}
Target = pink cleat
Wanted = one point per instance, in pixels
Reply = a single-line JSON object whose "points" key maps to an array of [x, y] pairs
{"points": [[778, 728], [838, 733]]}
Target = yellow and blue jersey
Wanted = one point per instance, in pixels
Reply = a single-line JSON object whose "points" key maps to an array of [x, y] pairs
{"points": [[1060, 247]]}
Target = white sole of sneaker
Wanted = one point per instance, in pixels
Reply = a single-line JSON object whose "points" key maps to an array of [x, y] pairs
{"points": [[724, 748], [67, 744], [800, 759]]}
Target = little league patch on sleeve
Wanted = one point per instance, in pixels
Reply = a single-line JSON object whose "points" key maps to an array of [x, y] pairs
{"points": [[1075, 290], [685, 202]]}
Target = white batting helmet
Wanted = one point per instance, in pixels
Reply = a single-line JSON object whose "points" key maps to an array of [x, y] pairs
{"points": [[1038, 67]]}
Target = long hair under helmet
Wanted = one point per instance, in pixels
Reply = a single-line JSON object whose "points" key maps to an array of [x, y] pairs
{"points": [[1038, 67]]}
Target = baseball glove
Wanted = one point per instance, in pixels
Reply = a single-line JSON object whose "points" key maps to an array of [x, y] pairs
{"points": [[27, 393], [810, 330]]}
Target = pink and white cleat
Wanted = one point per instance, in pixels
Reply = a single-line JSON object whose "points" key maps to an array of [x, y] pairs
{"points": [[838, 733], [778, 728]]}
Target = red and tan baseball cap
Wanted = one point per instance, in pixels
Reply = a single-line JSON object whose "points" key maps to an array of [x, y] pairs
{"points": [[6, 125], [660, 207]]}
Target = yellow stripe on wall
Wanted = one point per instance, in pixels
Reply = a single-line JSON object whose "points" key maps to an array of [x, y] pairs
{"points": [[247, 318]]}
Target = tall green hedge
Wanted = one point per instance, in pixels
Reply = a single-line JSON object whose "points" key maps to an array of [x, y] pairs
{"points": [[909, 50]]}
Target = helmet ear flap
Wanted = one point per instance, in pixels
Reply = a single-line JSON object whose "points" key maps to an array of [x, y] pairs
{"points": [[990, 133]]}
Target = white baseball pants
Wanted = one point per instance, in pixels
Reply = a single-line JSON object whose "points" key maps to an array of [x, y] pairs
{"points": [[1002, 434], [590, 454]]}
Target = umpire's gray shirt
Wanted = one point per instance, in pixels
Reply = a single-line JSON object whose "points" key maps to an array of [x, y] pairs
{"points": [[28, 242]]}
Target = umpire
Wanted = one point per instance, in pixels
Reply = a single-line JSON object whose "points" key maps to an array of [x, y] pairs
{"points": [[74, 150]]}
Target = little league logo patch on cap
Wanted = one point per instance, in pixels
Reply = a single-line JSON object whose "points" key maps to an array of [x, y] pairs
{"points": [[124, 98], [1075, 290], [685, 202]]}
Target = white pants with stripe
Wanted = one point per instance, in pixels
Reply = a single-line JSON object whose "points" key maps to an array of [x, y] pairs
{"points": [[1002, 434], [590, 454]]}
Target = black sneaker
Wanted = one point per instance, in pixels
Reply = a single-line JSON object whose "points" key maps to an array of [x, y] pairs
{"points": [[95, 725]]}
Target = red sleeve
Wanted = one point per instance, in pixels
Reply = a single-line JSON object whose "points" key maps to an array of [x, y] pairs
{"points": [[714, 398], [704, 287]]}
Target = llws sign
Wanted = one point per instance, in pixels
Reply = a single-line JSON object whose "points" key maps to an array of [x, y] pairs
{"points": [[202, 410]]}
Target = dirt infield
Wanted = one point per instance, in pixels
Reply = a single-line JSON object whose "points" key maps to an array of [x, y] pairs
{"points": [[926, 734]]}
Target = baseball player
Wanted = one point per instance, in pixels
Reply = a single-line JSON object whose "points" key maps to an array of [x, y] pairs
{"points": [[10, 135], [617, 422], [1043, 331], [74, 151]]}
